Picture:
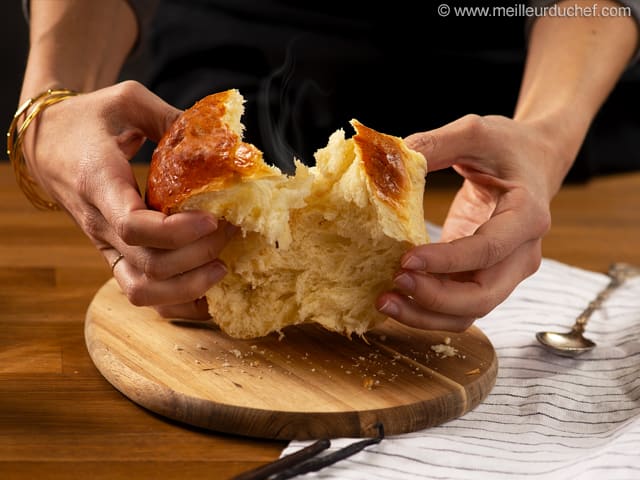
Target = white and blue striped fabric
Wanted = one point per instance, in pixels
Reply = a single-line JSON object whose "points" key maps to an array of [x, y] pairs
{"points": [[547, 417]]}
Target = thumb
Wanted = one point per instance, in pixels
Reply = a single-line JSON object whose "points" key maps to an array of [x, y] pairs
{"points": [[447, 145], [146, 111]]}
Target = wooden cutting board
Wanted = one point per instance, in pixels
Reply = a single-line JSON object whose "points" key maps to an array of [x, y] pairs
{"points": [[308, 384]]}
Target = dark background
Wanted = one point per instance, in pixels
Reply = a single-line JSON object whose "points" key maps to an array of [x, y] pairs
{"points": [[611, 146], [14, 42]]}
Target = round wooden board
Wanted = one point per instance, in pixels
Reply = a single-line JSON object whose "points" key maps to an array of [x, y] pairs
{"points": [[307, 384]]}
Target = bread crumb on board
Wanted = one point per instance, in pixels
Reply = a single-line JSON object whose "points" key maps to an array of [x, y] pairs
{"points": [[445, 349], [369, 383]]}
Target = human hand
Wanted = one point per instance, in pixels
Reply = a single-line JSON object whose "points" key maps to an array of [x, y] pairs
{"points": [[491, 238], [79, 153]]}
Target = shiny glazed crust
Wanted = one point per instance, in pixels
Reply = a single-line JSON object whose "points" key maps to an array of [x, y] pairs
{"points": [[202, 151], [384, 163]]}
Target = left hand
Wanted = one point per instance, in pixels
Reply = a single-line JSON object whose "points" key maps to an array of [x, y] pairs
{"points": [[491, 238], [80, 154]]}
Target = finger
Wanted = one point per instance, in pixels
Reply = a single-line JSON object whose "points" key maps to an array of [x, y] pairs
{"points": [[465, 254], [195, 310], [131, 111], [157, 230], [510, 227], [160, 264], [115, 194], [470, 296], [406, 311], [111, 255], [142, 291], [118, 226], [130, 103], [452, 143]]}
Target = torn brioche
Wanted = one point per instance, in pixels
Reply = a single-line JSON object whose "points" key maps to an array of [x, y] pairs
{"points": [[316, 246]]}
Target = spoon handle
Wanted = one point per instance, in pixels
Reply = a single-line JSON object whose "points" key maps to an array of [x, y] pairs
{"points": [[618, 272]]}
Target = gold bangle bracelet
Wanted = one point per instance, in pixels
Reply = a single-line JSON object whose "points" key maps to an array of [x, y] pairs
{"points": [[15, 137]]}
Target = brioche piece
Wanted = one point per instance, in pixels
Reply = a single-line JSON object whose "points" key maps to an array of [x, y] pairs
{"points": [[316, 246], [202, 163]]}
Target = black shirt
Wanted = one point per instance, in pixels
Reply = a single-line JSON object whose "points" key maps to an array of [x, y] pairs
{"points": [[307, 68]]}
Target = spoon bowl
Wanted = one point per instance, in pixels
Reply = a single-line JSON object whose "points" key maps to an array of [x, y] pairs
{"points": [[573, 342], [570, 344]]}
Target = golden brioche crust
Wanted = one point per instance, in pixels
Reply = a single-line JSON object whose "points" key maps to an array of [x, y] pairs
{"points": [[201, 151], [382, 156]]}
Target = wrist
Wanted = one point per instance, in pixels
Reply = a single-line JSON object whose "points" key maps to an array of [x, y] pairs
{"points": [[559, 136], [26, 114]]}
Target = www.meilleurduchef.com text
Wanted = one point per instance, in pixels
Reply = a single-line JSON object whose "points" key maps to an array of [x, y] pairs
{"points": [[524, 10]]}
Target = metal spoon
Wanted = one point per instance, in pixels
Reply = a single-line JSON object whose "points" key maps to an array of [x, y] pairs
{"points": [[574, 343]]}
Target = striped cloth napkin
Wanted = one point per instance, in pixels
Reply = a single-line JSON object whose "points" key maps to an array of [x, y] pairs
{"points": [[547, 417]]}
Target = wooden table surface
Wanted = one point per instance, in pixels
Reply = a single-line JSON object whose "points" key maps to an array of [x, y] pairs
{"points": [[60, 419]]}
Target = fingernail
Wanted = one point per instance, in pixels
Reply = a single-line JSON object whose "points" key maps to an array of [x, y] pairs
{"points": [[390, 308], [422, 142], [208, 225], [413, 263], [405, 282], [217, 271]]}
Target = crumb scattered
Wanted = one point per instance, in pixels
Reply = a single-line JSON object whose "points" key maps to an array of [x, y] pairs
{"points": [[368, 383], [201, 347], [236, 352], [443, 350], [475, 371], [178, 348]]}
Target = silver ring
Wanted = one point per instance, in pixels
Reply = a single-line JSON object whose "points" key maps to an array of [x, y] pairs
{"points": [[115, 262]]}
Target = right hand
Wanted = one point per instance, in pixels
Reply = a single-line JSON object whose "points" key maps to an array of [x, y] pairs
{"points": [[491, 239], [79, 151]]}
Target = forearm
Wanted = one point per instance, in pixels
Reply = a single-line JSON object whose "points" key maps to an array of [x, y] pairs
{"points": [[573, 64], [77, 44]]}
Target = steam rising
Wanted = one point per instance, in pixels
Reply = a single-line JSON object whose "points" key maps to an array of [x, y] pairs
{"points": [[276, 125]]}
